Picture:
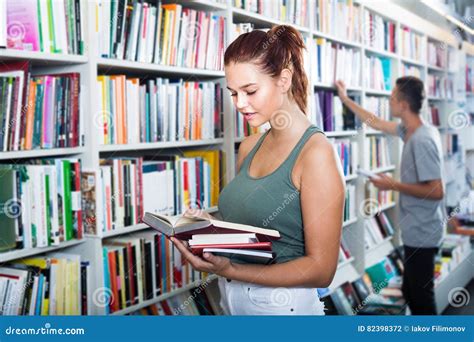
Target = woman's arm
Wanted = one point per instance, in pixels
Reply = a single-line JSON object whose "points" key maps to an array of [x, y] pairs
{"points": [[322, 197]]}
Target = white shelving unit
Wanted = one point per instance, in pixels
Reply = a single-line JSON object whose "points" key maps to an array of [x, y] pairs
{"points": [[90, 66]]}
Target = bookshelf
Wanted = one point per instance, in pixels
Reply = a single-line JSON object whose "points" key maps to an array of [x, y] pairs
{"points": [[90, 65]]}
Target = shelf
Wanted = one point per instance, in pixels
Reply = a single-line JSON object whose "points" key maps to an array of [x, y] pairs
{"points": [[376, 253], [205, 5], [457, 278], [383, 169], [350, 177], [341, 134], [23, 253], [435, 68], [345, 272], [41, 58], [164, 296], [412, 62], [332, 86], [342, 41], [374, 132], [434, 98], [158, 145], [239, 15], [349, 222], [52, 152], [135, 228], [387, 206], [381, 53], [378, 92], [119, 65]]}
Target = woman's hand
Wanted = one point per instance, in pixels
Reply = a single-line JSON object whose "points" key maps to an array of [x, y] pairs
{"points": [[208, 263]]}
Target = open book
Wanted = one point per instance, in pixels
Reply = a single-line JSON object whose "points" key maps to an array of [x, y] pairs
{"points": [[184, 227], [367, 173]]}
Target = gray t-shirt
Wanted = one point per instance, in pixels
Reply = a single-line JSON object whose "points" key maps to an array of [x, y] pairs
{"points": [[421, 220]]}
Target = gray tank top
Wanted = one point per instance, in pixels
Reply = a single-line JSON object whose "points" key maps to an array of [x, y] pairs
{"points": [[271, 201]]}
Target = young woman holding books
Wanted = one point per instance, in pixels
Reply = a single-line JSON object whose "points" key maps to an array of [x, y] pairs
{"points": [[289, 179]]}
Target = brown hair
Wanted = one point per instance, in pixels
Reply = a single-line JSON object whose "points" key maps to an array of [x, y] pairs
{"points": [[411, 90], [279, 48]]}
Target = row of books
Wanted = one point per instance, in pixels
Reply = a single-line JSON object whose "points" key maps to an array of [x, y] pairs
{"points": [[42, 203], [344, 253], [411, 44], [376, 198], [330, 114], [51, 26], [118, 194], [335, 61], [377, 292], [436, 54], [134, 111], [454, 250], [378, 32], [338, 18], [141, 267], [167, 34], [433, 115], [378, 152], [202, 300], [350, 206], [294, 12], [243, 129], [440, 86], [41, 111], [411, 70], [348, 152], [469, 74], [450, 143], [55, 284], [377, 229], [379, 105], [378, 73]]}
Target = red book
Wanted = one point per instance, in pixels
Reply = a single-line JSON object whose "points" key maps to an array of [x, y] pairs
{"points": [[263, 246]]}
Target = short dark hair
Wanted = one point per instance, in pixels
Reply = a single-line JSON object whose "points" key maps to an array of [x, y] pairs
{"points": [[412, 90]]}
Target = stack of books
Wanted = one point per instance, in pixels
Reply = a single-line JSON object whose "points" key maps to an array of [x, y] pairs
{"points": [[157, 110], [214, 236], [440, 86], [330, 114], [411, 44], [378, 33], [55, 284], [437, 54], [338, 18], [41, 111], [291, 12], [42, 203], [50, 26], [378, 105], [163, 34], [378, 75], [335, 61]]}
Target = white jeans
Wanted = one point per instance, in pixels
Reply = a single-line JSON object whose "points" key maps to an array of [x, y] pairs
{"points": [[239, 298]]}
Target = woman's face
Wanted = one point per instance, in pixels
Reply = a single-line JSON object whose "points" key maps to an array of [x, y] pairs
{"points": [[256, 95]]}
